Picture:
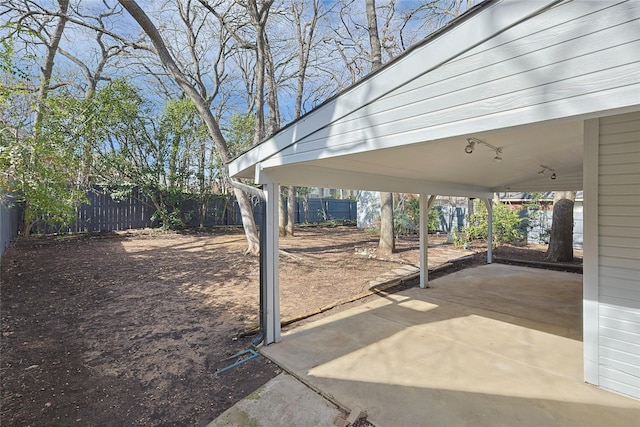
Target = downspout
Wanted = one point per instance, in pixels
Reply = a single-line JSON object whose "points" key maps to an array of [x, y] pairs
{"points": [[263, 234]]}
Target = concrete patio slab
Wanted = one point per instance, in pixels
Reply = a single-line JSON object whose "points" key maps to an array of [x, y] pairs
{"points": [[494, 345]]}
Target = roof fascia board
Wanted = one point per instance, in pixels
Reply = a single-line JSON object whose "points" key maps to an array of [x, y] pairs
{"points": [[459, 38], [315, 176]]}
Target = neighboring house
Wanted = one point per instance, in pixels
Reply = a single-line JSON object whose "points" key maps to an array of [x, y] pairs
{"points": [[546, 82], [541, 217]]}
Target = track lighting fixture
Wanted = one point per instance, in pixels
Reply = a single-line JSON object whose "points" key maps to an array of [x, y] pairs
{"points": [[498, 157], [547, 168], [471, 145]]}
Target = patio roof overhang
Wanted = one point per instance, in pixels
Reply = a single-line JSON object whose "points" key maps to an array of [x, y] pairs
{"points": [[523, 77], [443, 167], [500, 73]]}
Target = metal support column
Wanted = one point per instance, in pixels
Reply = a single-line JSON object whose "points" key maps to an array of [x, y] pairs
{"points": [[272, 288], [424, 241], [425, 207]]}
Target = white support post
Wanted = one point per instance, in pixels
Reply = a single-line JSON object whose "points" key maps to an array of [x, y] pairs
{"points": [[272, 326], [591, 273], [489, 204], [424, 241]]}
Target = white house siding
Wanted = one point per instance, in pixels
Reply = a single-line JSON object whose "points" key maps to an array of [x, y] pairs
{"points": [[571, 60], [619, 253]]}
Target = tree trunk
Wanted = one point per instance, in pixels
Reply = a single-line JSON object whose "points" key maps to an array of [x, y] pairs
{"points": [[43, 92], [250, 230], [291, 209], [47, 68], [561, 238], [387, 243], [201, 180], [374, 38]]}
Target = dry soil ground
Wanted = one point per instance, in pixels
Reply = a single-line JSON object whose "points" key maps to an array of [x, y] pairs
{"points": [[129, 328]]}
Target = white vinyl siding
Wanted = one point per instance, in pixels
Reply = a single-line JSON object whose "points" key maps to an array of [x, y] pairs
{"points": [[619, 253], [577, 53]]}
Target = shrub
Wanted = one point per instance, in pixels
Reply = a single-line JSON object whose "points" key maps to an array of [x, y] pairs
{"points": [[406, 217], [507, 224], [173, 219]]}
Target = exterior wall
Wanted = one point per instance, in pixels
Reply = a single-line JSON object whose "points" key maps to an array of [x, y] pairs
{"points": [[368, 209], [612, 325]]}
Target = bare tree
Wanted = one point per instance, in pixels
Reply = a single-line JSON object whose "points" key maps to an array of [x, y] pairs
{"points": [[305, 31], [252, 36], [194, 21], [93, 75], [387, 37], [258, 12], [51, 45], [386, 244], [374, 39], [160, 49], [425, 17], [265, 78]]}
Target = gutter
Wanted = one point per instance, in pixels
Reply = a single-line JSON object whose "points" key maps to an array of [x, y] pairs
{"points": [[263, 265]]}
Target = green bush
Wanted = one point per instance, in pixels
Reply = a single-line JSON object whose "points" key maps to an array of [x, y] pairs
{"points": [[406, 218], [173, 219], [403, 224], [507, 225], [434, 219]]}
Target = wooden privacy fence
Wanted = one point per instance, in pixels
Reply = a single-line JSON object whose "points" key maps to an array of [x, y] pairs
{"points": [[103, 213]]}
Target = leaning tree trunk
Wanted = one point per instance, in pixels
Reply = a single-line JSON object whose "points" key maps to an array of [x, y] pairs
{"points": [[248, 222], [561, 239], [202, 107]]}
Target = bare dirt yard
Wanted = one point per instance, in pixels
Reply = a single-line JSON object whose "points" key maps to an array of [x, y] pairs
{"points": [[129, 328]]}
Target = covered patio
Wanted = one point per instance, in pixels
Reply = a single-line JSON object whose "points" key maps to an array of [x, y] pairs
{"points": [[510, 96], [489, 346]]}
